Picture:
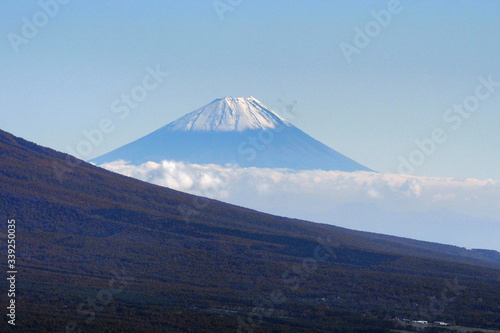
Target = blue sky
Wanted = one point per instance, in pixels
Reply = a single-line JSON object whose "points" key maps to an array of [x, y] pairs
{"points": [[394, 91]]}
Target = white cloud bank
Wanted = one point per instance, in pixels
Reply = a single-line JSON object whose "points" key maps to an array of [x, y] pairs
{"points": [[463, 212]]}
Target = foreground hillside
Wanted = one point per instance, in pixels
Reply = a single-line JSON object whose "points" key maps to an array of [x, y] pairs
{"points": [[99, 252]]}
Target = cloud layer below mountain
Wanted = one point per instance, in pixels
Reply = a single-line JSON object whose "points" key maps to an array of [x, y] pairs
{"points": [[463, 212]]}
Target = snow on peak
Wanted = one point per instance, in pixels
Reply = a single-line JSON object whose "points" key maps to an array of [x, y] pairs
{"points": [[229, 114]]}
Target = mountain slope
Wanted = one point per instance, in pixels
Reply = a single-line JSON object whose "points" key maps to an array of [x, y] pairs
{"points": [[239, 131], [97, 250]]}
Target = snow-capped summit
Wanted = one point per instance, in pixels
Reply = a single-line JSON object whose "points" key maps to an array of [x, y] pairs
{"points": [[229, 114], [229, 130]]}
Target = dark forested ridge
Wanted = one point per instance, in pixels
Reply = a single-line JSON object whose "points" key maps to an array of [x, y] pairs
{"points": [[100, 252]]}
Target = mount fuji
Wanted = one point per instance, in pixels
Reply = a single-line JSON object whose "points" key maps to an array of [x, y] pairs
{"points": [[238, 131]]}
